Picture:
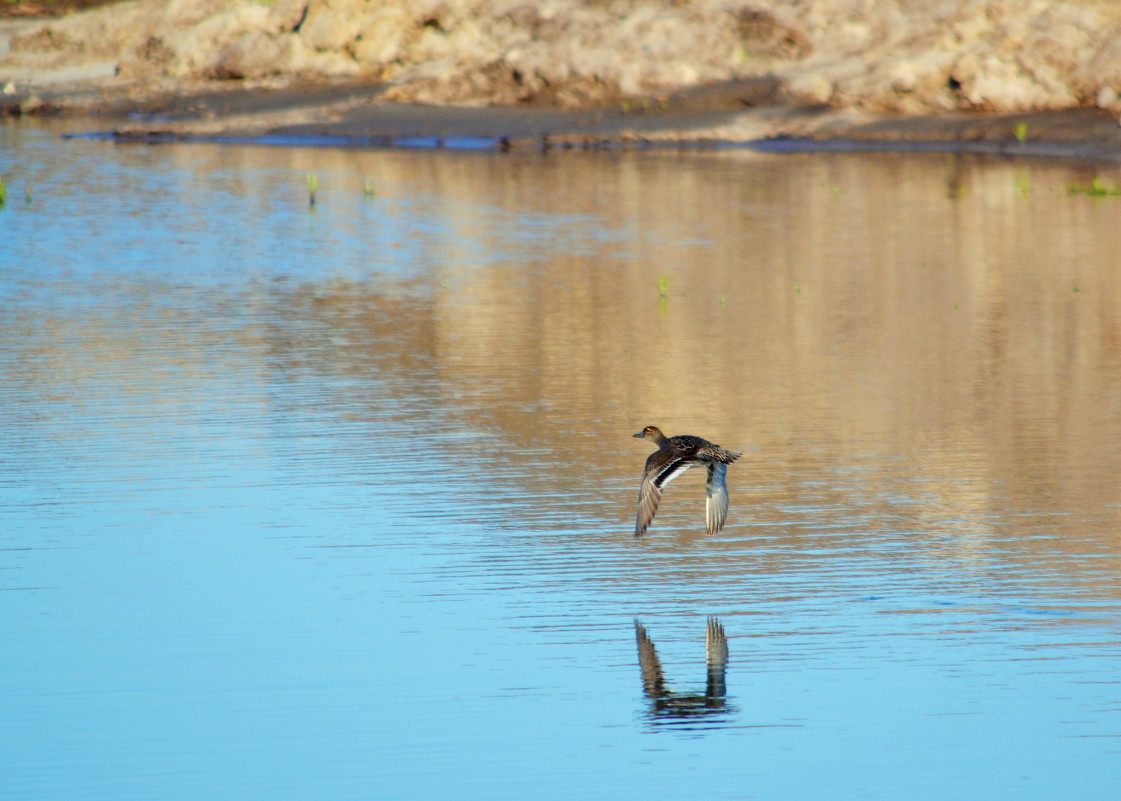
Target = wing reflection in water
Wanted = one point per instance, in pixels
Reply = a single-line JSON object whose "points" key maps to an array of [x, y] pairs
{"points": [[670, 707]]}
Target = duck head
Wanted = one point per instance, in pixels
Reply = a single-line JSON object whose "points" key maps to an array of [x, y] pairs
{"points": [[652, 433]]}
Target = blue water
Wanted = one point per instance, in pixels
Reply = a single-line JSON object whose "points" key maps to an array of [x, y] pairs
{"points": [[337, 501]]}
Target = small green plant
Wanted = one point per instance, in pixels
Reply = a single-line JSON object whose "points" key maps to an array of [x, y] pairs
{"points": [[663, 294], [3, 192], [1021, 132], [1097, 188], [312, 185], [368, 187], [27, 194]]}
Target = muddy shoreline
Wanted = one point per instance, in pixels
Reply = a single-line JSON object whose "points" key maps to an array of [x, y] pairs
{"points": [[734, 114]]}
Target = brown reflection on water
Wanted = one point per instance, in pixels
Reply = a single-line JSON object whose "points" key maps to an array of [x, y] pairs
{"points": [[936, 336], [821, 305]]}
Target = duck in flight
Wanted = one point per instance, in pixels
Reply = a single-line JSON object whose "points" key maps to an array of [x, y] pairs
{"points": [[674, 456]]}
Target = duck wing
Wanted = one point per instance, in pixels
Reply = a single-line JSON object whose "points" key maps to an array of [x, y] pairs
{"points": [[661, 468], [716, 504]]}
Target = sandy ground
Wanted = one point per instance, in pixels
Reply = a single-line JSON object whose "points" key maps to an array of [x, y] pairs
{"points": [[133, 98]]}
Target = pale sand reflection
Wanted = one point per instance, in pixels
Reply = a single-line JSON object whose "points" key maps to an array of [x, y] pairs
{"points": [[891, 338], [844, 302]]}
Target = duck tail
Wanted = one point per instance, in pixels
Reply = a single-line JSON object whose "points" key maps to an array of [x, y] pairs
{"points": [[727, 457]]}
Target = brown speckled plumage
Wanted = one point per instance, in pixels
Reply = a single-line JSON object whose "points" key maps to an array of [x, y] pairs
{"points": [[674, 456]]}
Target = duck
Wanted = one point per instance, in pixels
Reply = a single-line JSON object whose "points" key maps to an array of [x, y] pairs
{"points": [[674, 456]]}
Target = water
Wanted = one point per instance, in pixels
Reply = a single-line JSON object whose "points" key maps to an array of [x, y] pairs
{"points": [[337, 502]]}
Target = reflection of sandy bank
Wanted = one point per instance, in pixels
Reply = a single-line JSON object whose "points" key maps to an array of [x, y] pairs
{"points": [[819, 310], [855, 305], [872, 330]]}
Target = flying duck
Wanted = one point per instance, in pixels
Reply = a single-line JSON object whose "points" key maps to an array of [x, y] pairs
{"points": [[674, 456]]}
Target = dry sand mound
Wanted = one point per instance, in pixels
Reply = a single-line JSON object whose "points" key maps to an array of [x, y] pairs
{"points": [[915, 56]]}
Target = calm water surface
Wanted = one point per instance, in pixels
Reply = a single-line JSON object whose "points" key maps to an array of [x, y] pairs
{"points": [[337, 502]]}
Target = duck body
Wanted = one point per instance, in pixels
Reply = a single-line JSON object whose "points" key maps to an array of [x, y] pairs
{"points": [[674, 456]]}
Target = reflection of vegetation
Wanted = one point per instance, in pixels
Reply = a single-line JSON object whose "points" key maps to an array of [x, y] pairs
{"points": [[312, 185], [1023, 184], [1097, 188], [3, 192], [368, 187]]}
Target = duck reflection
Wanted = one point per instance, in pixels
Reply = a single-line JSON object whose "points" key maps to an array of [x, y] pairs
{"points": [[668, 706]]}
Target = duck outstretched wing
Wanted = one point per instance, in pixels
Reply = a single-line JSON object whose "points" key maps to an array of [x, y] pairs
{"points": [[659, 472], [716, 504]]}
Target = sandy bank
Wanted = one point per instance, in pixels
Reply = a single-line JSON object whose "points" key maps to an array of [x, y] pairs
{"points": [[995, 74]]}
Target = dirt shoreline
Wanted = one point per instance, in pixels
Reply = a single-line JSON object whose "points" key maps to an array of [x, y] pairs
{"points": [[738, 113], [1000, 79]]}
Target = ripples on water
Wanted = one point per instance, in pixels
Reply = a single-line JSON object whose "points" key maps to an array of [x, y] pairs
{"points": [[337, 502]]}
